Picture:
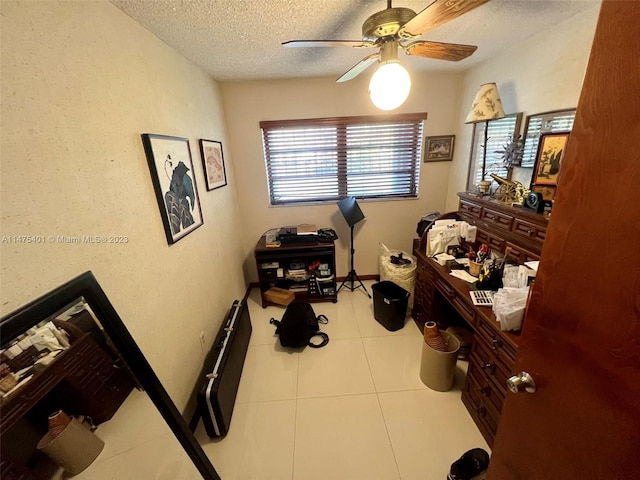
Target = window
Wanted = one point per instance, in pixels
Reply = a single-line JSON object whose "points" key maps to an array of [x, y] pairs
{"points": [[499, 133], [326, 159], [539, 123]]}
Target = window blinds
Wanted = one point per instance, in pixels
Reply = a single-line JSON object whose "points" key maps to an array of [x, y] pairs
{"points": [[328, 159]]}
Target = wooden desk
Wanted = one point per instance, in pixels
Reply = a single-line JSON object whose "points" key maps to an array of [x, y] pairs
{"points": [[445, 299]]}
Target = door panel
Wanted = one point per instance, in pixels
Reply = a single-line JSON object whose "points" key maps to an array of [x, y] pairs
{"points": [[581, 335]]}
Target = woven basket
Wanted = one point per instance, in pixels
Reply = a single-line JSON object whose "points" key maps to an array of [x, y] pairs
{"points": [[475, 268]]}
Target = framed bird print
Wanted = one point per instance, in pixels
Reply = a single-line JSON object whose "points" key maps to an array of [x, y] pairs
{"points": [[174, 182]]}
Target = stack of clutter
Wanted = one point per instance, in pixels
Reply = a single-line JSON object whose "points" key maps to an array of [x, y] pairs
{"points": [[433, 338]]}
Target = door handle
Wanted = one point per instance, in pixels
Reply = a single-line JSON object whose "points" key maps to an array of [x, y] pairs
{"points": [[521, 382]]}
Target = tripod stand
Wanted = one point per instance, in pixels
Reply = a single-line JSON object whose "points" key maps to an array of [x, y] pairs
{"points": [[353, 276]]}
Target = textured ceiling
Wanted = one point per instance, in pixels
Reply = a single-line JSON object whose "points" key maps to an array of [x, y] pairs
{"points": [[241, 39]]}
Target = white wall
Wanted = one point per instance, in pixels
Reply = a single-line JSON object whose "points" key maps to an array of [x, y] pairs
{"points": [[390, 222], [80, 82], [540, 74]]}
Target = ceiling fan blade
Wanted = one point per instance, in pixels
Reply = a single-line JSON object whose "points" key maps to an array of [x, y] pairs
{"points": [[436, 14], [441, 51], [328, 43], [358, 68]]}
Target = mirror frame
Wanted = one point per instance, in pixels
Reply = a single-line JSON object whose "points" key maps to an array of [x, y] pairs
{"points": [[86, 285]]}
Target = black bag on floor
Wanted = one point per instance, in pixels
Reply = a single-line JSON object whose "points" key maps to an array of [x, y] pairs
{"points": [[299, 325]]}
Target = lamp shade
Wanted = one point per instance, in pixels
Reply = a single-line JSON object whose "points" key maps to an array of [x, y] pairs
{"points": [[390, 85], [486, 106]]}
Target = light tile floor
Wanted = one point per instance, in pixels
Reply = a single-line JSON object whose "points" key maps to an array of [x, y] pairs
{"points": [[355, 409]]}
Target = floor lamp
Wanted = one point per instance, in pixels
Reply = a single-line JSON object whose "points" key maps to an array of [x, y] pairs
{"points": [[486, 106], [352, 214]]}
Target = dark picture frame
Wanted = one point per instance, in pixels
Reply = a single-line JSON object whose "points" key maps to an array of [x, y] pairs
{"points": [[439, 149], [174, 182], [213, 163], [551, 151]]}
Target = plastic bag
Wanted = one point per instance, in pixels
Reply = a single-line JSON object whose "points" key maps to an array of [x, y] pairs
{"points": [[403, 275], [508, 306]]}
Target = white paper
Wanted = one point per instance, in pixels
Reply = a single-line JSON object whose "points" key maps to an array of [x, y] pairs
{"points": [[533, 265], [463, 275]]}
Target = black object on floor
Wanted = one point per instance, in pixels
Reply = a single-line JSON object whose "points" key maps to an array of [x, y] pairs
{"points": [[390, 304], [470, 465], [222, 369]]}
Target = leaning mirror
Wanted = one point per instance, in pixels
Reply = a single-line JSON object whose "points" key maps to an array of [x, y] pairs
{"points": [[77, 396]]}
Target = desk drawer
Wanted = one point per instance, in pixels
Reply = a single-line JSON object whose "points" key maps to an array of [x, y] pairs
{"points": [[483, 413], [498, 345], [491, 365], [465, 309], [488, 391], [446, 289]]}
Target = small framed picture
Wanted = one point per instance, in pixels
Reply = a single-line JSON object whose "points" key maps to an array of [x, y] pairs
{"points": [[213, 163], [439, 149], [174, 182], [549, 158]]}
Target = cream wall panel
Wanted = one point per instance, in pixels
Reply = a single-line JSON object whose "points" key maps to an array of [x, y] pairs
{"points": [[80, 82], [390, 222], [540, 74]]}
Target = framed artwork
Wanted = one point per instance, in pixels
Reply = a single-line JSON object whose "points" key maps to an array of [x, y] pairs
{"points": [[174, 182], [439, 149], [549, 158], [213, 163]]}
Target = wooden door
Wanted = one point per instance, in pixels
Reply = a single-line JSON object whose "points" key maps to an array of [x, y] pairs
{"points": [[581, 336]]}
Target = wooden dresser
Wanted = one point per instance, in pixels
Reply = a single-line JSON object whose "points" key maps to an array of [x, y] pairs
{"points": [[445, 299]]}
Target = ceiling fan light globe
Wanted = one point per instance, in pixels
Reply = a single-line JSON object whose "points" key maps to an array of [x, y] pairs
{"points": [[389, 86]]}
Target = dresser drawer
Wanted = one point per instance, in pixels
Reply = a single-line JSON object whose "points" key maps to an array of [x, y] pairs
{"points": [[529, 230], [497, 219], [470, 208], [520, 254], [493, 241]]}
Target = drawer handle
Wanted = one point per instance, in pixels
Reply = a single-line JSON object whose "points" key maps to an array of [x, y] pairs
{"points": [[496, 343], [481, 411], [530, 232], [489, 367], [485, 390]]}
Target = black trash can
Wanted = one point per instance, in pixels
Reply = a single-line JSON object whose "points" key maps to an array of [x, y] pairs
{"points": [[389, 304]]}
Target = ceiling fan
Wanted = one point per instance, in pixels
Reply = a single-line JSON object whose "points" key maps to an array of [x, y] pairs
{"points": [[397, 27]]}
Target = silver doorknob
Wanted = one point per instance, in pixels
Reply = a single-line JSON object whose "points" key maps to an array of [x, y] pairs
{"points": [[521, 382]]}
